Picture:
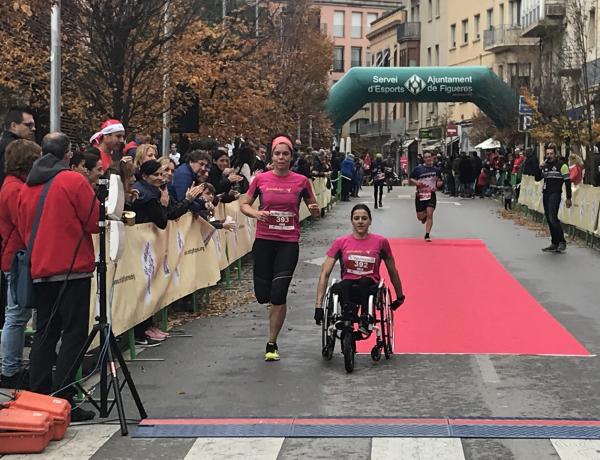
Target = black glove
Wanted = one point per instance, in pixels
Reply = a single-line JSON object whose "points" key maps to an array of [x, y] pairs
{"points": [[319, 315], [396, 303]]}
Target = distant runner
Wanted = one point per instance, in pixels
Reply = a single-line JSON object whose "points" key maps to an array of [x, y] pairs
{"points": [[428, 179]]}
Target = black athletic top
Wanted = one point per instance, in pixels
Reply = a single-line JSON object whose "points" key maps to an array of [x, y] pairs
{"points": [[555, 174]]}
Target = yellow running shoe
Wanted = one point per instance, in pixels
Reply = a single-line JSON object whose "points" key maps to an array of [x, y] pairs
{"points": [[272, 353]]}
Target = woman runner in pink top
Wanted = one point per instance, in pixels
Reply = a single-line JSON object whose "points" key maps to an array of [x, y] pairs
{"points": [[360, 255], [275, 250]]}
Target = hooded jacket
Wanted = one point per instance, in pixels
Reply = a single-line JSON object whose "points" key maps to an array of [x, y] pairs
{"points": [[148, 207], [69, 217]]}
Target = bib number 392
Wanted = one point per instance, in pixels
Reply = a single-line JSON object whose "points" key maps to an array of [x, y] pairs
{"points": [[361, 265]]}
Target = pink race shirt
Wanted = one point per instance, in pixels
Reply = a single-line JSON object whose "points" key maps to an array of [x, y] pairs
{"points": [[281, 196], [360, 258]]}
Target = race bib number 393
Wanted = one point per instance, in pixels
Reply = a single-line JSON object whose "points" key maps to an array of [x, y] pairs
{"points": [[361, 265], [281, 220]]}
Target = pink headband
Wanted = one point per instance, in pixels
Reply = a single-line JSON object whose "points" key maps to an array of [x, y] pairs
{"points": [[282, 140]]}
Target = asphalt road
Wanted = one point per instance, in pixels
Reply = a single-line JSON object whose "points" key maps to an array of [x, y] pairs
{"points": [[220, 372]]}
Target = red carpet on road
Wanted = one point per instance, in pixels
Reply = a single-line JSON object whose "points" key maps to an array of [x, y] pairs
{"points": [[461, 300]]}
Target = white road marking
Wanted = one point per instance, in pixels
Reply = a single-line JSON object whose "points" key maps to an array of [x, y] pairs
{"points": [[417, 449], [488, 371], [80, 442], [318, 261], [577, 449], [235, 448]]}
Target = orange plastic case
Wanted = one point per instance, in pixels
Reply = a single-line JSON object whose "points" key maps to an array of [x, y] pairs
{"points": [[24, 431], [59, 409]]}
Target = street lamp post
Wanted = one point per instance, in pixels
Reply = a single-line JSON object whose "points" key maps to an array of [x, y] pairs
{"points": [[55, 63]]}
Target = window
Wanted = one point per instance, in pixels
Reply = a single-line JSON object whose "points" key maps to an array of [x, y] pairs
{"points": [[437, 8], [501, 71], [501, 15], [368, 57], [514, 11], [429, 57], [430, 10], [465, 31], [356, 25], [490, 19], [371, 17], [453, 36], [338, 59], [417, 14], [356, 56], [476, 26], [338, 24], [437, 55]]}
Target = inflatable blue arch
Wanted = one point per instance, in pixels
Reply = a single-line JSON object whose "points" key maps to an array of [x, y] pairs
{"points": [[479, 85]]}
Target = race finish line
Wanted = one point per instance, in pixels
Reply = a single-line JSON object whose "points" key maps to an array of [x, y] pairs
{"points": [[368, 427], [461, 300]]}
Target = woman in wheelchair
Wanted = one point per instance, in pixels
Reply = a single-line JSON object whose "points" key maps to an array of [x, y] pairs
{"points": [[360, 255]]}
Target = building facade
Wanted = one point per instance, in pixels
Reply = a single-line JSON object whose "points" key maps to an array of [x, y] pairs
{"points": [[347, 23]]}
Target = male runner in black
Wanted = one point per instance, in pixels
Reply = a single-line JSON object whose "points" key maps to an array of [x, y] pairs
{"points": [[427, 178]]}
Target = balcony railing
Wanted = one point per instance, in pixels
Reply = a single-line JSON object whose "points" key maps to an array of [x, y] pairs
{"points": [[338, 30], [504, 37], [409, 31], [540, 17]]}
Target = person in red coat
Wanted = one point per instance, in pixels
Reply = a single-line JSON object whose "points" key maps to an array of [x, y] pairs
{"points": [[62, 265], [19, 155]]}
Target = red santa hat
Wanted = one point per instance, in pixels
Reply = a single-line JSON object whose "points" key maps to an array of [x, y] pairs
{"points": [[108, 127]]}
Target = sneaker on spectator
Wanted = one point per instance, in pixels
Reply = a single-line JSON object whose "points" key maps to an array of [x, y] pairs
{"points": [[163, 334], [147, 343], [152, 334], [19, 381]]}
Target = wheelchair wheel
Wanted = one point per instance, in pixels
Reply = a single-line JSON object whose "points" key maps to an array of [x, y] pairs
{"points": [[348, 350], [375, 353], [388, 339], [327, 343]]}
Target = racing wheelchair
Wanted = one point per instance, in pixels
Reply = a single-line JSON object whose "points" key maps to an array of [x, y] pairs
{"points": [[340, 318]]}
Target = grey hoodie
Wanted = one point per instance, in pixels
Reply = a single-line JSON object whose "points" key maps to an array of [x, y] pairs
{"points": [[45, 169]]}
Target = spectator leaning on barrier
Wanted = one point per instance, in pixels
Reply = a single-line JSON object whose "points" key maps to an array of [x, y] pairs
{"points": [[222, 177], [194, 171], [576, 169], [62, 265], [208, 213], [152, 202], [347, 170], [19, 157], [177, 208]]}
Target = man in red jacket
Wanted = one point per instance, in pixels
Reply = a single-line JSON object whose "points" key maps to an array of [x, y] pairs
{"points": [[62, 265]]}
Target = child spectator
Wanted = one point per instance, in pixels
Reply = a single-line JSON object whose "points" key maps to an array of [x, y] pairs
{"points": [[509, 193]]}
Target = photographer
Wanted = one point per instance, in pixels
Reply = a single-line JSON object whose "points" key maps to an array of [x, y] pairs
{"points": [[62, 265]]}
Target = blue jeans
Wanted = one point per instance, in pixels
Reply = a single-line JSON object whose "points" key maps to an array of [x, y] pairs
{"points": [[13, 335]]}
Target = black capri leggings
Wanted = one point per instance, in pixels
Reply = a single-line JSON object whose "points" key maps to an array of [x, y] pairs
{"points": [[274, 265]]}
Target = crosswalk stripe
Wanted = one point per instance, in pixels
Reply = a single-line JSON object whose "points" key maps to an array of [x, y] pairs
{"points": [[79, 443], [235, 448], [417, 449], [577, 449]]}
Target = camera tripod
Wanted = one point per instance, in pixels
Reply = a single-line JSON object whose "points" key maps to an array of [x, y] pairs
{"points": [[109, 349]]}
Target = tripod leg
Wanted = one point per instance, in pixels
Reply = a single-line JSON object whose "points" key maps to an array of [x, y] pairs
{"points": [[116, 387], [127, 375]]}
